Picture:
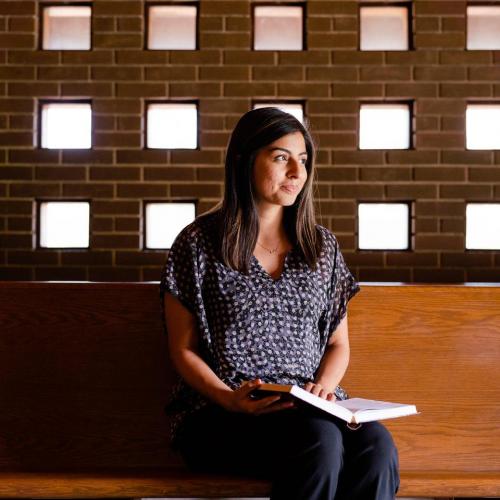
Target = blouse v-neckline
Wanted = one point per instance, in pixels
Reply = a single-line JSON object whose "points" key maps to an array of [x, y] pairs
{"points": [[266, 274]]}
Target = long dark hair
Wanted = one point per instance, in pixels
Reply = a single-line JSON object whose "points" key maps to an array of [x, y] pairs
{"points": [[238, 217]]}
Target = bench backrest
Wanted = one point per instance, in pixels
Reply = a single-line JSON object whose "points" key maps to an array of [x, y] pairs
{"points": [[85, 375]]}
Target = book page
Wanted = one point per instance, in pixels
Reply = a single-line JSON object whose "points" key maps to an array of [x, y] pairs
{"points": [[360, 404]]}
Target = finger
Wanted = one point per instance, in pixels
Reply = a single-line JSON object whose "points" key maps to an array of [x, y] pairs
{"points": [[251, 385], [276, 407], [317, 390], [308, 386]]}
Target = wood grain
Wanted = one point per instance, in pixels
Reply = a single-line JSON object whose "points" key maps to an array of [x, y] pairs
{"points": [[85, 375]]}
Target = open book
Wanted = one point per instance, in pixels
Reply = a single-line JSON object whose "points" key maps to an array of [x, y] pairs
{"points": [[353, 411]]}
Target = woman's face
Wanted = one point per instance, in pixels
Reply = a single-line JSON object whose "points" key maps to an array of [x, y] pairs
{"points": [[279, 171]]}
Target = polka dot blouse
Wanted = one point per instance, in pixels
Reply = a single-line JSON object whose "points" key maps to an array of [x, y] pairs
{"points": [[253, 326]]}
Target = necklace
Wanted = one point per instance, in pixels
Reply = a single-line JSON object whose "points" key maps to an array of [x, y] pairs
{"points": [[274, 250]]}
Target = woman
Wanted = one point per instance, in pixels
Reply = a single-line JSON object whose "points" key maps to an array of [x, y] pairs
{"points": [[255, 291]]}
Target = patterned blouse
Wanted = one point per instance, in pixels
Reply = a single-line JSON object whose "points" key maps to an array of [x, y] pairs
{"points": [[253, 326]]}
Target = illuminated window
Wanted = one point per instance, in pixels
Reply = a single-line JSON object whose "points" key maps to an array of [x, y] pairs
{"points": [[278, 28], [483, 27], [384, 28], [64, 224], [172, 126], [66, 125], [164, 221], [383, 226], [296, 110], [482, 125], [482, 231], [66, 27], [172, 27], [384, 126]]}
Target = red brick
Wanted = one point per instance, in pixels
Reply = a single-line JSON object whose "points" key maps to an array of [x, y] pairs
{"points": [[464, 90], [116, 207], [169, 174], [146, 258], [465, 191], [31, 258], [357, 90], [88, 190], [115, 174], [114, 73], [302, 57], [89, 257], [16, 173], [116, 41], [141, 190], [118, 139], [17, 41], [411, 90], [33, 190], [440, 73], [332, 40], [118, 8], [412, 191], [84, 89], [299, 89], [17, 73], [33, 89], [440, 40], [194, 90], [25, 8], [225, 40], [252, 58], [384, 73], [466, 157], [226, 73], [438, 173], [481, 174], [332, 74], [386, 174], [62, 73], [45, 173], [168, 73], [199, 190], [436, 7], [141, 90]]}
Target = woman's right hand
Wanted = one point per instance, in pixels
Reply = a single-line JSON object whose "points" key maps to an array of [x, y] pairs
{"points": [[239, 400]]}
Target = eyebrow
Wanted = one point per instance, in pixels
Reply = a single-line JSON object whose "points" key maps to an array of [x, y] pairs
{"points": [[287, 150]]}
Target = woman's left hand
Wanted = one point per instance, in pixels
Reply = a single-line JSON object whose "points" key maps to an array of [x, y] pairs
{"points": [[318, 390]]}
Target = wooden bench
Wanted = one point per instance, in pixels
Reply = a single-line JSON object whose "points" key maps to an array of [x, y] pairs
{"points": [[84, 377]]}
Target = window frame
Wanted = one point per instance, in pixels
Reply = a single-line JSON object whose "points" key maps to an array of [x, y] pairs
{"points": [[279, 4], [409, 7], [173, 3], [411, 225], [38, 223], [148, 102], [40, 16], [143, 225], [43, 102]]}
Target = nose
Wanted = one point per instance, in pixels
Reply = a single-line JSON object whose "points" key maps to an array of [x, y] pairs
{"points": [[294, 167]]}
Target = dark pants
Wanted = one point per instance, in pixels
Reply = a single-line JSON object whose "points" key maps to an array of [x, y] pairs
{"points": [[306, 453]]}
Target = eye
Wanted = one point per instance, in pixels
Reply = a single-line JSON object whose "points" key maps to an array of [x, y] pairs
{"points": [[304, 161], [281, 156]]}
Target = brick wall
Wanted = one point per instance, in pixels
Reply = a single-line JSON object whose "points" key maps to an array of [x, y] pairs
{"points": [[224, 75]]}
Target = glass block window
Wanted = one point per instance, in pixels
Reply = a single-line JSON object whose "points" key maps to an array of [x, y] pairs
{"points": [[383, 226], [172, 126], [296, 110], [482, 126], [172, 27], [66, 125], [384, 28], [384, 126], [66, 27], [482, 230], [64, 224], [278, 28], [164, 221], [483, 27]]}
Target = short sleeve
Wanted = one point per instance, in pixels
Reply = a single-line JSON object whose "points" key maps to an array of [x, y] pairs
{"points": [[343, 287], [180, 275]]}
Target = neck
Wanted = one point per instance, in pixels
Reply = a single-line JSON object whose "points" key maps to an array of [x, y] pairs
{"points": [[270, 223]]}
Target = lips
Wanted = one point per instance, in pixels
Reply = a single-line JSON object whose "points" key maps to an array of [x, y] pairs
{"points": [[290, 188]]}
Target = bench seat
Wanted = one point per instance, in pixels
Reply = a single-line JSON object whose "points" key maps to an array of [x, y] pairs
{"points": [[85, 375]]}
